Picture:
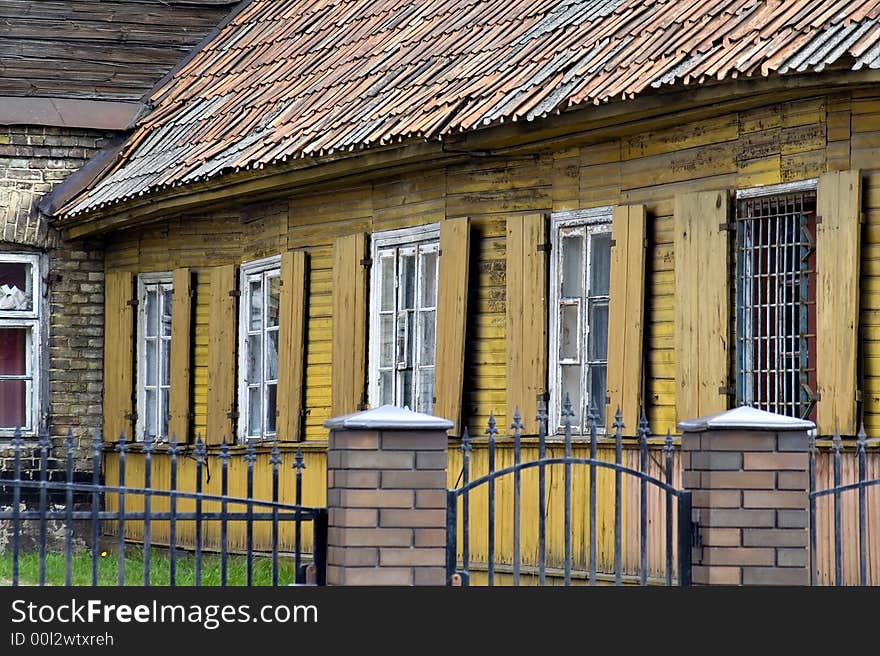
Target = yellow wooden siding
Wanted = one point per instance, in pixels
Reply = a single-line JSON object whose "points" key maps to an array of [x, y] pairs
{"points": [[200, 353], [318, 348], [626, 317], [180, 403], [454, 270], [291, 348], [838, 236], [118, 355]]}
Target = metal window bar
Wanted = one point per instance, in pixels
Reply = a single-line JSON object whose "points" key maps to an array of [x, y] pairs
{"points": [[772, 256]]}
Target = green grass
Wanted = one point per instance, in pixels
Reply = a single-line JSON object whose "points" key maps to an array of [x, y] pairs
{"points": [[81, 568]]}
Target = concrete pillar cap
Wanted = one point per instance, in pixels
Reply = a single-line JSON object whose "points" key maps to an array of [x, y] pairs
{"points": [[745, 418], [388, 417]]}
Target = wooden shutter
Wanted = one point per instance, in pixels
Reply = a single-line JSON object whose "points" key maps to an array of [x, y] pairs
{"points": [[526, 317], [451, 320], [181, 345], [626, 316], [347, 392], [221, 356], [838, 203], [118, 354], [702, 303], [291, 346]]}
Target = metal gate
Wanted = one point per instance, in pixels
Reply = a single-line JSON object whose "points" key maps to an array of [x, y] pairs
{"points": [[459, 571], [76, 511]]}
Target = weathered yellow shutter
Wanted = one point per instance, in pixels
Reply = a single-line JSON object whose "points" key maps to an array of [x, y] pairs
{"points": [[526, 317], [451, 320], [291, 346], [349, 325], [838, 203], [626, 316], [702, 299], [221, 356], [118, 354], [181, 331]]}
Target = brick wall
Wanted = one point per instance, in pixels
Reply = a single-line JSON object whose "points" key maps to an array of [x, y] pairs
{"points": [[750, 502], [32, 160]]}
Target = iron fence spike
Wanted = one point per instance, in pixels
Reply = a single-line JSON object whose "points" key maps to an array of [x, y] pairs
{"points": [[465, 440], [517, 420], [298, 462], [667, 444], [492, 428], [275, 458], [618, 419]]}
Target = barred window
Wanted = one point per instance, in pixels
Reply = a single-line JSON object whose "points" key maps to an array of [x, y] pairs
{"points": [[775, 301]]}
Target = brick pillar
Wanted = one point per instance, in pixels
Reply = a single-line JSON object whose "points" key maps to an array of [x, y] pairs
{"points": [[386, 495], [748, 470]]}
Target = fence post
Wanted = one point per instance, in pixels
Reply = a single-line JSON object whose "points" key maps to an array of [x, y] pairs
{"points": [[386, 496], [748, 470]]}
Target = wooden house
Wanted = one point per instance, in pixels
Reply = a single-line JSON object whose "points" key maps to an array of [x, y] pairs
{"points": [[72, 77], [467, 207]]}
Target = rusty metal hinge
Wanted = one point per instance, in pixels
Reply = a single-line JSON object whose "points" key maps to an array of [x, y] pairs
{"points": [[232, 414], [235, 293], [545, 247], [132, 303], [612, 243], [818, 219], [727, 389], [731, 227], [367, 262]]}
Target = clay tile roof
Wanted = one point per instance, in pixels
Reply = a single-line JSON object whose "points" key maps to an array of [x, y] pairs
{"points": [[307, 78]]}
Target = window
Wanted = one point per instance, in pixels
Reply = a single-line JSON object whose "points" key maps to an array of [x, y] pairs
{"points": [[20, 340], [153, 355], [775, 298], [258, 348], [403, 317], [580, 278]]}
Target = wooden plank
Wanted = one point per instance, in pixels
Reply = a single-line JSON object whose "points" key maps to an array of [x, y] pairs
{"points": [[452, 320], [179, 409], [702, 324], [838, 235], [291, 347], [526, 317], [626, 316], [221, 356], [348, 390], [118, 354]]}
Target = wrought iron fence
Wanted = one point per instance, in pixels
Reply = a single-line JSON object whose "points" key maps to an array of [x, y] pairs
{"points": [[249, 510], [679, 539], [837, 493]]}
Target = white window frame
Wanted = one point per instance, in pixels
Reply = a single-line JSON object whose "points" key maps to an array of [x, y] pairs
{"points": [[596, 220], [256, 268], [400, 238], [36, 320], [144, 280]]}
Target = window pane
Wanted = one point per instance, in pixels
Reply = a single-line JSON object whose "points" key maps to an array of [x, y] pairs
{"points": [[164, 376], [386, 388], [271, 407], [406, 389], [13, 351], [426, 391], [600, 263], [598, 331], [151, 402], [428, 337], [274, 300], [403, 339], [429, 279], [386, 282], [254, 368], [15, 283], [597, 391], [572, 266], [152, 312], [571, 386], [407, 281], [164, 416], [166, 312], [569, 332], [151, 364], [386, 340], [255, 294], [13, 394], [255, 411], [272, 355]]}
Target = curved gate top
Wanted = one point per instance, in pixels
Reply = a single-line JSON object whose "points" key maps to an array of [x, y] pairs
{"points": [[660, 505]]}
